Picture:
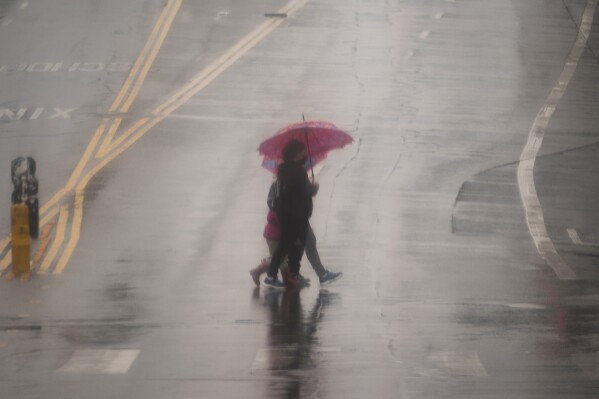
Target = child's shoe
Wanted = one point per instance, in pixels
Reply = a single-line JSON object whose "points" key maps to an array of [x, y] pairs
{"points": [[284, 275], [257, 271]]}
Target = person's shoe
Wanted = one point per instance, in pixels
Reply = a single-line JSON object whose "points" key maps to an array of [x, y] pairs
{"points": [[284, 275], [305, 280], [257, 271], [273, 282], [297, 281], [328, 277]]}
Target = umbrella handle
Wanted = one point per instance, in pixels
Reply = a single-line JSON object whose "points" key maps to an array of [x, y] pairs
{"points": [[308, 147]]}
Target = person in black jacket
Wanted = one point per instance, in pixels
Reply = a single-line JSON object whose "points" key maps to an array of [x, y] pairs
{"points": [[272, 234], [294, 208]]}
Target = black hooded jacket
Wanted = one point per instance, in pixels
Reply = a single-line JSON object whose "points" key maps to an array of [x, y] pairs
{"points": [[295, 191]]}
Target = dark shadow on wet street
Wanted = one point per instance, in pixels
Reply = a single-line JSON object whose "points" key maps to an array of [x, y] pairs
{"points": [[290, 356]]}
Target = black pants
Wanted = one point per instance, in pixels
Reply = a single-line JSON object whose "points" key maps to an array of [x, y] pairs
{"points": [[312, 253], [294, 231]]}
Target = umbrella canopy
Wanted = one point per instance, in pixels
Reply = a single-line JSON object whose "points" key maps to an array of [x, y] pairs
{"points": [[319, 137], [272, 165]]}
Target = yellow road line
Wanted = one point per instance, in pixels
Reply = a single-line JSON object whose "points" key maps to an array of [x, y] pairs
{"points": [[49, 216], [152, 57], [46, 227], [75, 229], [168, 16], [6, 261], [142, 126], [78, 213], [152, 46], [4, 242], [63, 218], [208, 74], [142, 58], [79, 168], [142, 63], [54, 200], [44, 241], [232, 55]]}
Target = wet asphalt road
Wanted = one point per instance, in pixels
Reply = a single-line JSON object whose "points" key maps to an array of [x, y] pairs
{"points": [[140, 286]]}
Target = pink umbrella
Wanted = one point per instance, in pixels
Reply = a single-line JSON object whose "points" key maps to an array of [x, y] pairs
{"points": [[318, 136]]}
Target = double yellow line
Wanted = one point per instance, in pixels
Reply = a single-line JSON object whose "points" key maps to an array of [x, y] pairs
{"points": [[202, 79], [121, 104], [108, 129]]}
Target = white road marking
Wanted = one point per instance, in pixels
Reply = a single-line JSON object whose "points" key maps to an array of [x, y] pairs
{"points": [[100, 361], [525, 306], [526, 184], [24, 5], [63, 113], [92, 67], [221, 15], [40, 67], [577, 240], [33, 113], [424, 34], [328, 349], [222, 118], [12, 115], [574, 237], [439, 15], [262, 360], [36, 113], [463, 363]]}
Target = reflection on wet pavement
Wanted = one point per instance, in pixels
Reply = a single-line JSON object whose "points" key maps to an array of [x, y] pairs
{"points": [[292, 348]]}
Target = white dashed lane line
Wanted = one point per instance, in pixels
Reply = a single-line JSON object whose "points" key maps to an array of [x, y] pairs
{"points": [[459, 363], [100, 361]]}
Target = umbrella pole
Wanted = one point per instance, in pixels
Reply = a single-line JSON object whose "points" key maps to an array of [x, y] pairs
{"points": [[308, 148]]}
